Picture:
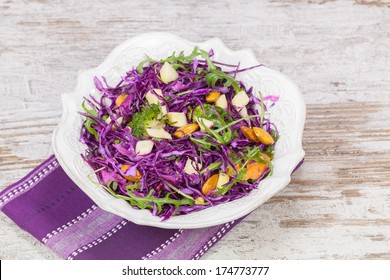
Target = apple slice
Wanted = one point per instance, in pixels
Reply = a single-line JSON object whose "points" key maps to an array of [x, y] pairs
{"points": [[168, 73], [222, 102], [158, 133], [152, 98], [177, 119], [244, 112], [189, 168], [144, 147], [240, 100], [223, 178]]}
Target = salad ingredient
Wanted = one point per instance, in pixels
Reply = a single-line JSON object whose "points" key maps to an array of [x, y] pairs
{"points": [[189, 168], [213, 96], [142, 120], [152, 96], [203, 123], [158, 133], [223, 179], [135, 178], [222, 102], [240, 100], [244, 112], [263, 136], [199, 200], [168, 73], [144, 147], [249, 134], [177, 119], [210, 184], [254, 171], [120, 99], [186, 130]]}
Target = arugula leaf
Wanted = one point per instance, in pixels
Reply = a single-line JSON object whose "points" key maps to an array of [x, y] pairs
{"points": [[179, 60], [203, 143], [213, 113], [213, 166], [140, 67], [91, 112], [141, 119], [215, 76], [88, 126], [89, 122]]}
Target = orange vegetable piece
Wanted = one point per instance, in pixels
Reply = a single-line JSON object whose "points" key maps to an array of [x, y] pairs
{"points": [[120, 99], [254, 171], [135, 178]]}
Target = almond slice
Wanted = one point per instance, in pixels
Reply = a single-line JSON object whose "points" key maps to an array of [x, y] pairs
{"points": [[210, 184]]}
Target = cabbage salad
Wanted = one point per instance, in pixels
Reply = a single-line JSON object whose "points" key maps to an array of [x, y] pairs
{"points": [[178, 135]]}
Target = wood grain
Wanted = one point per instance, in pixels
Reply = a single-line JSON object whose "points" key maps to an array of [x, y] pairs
{"points": [[337, 205]]}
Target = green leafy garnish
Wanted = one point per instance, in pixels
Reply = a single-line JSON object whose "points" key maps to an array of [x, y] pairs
{"points": [[213, 166], [212, 113], [252, 154], [178, 61], [148, 202], [89, 122], [142, 119], [91, 112], [214, 76]]}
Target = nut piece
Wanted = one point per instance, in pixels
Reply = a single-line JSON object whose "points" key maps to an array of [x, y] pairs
{"points": [[186, 130], [213, 96], [263, 136], [210, 184], [120, 99], [199, 200], [135, 178], [249, 134]]}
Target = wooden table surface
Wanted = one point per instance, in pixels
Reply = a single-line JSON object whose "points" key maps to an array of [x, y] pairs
{"points": [[338, 52]]}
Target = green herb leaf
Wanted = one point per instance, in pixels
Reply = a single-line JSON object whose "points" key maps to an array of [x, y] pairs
{"points": [[91, 112], [215, 76], [213, 113], [178, 61], [213, 166], [88, 126]]}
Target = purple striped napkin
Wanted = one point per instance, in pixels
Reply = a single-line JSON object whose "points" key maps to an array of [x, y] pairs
{"points": [[48, 205]]}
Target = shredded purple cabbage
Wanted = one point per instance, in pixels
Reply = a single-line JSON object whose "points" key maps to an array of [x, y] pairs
{"points": [[158, 180]]}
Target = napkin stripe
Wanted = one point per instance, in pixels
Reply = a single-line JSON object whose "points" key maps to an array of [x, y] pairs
{"points": [[68, 224], [163, 245], [89, 231], [28, 182], [97, 241], [220, 233]]}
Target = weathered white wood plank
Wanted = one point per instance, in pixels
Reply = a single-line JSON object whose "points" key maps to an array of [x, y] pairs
{"points": [[338, 204]]}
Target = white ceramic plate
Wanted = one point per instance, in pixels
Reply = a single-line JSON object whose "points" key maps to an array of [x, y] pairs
{"points": [[288, 115]]}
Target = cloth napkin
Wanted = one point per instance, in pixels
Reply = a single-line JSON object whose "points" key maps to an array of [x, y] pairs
{"points": [[48, 205]]}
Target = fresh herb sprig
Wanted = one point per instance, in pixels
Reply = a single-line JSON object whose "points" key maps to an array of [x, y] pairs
{"points": [[179, 61]]}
